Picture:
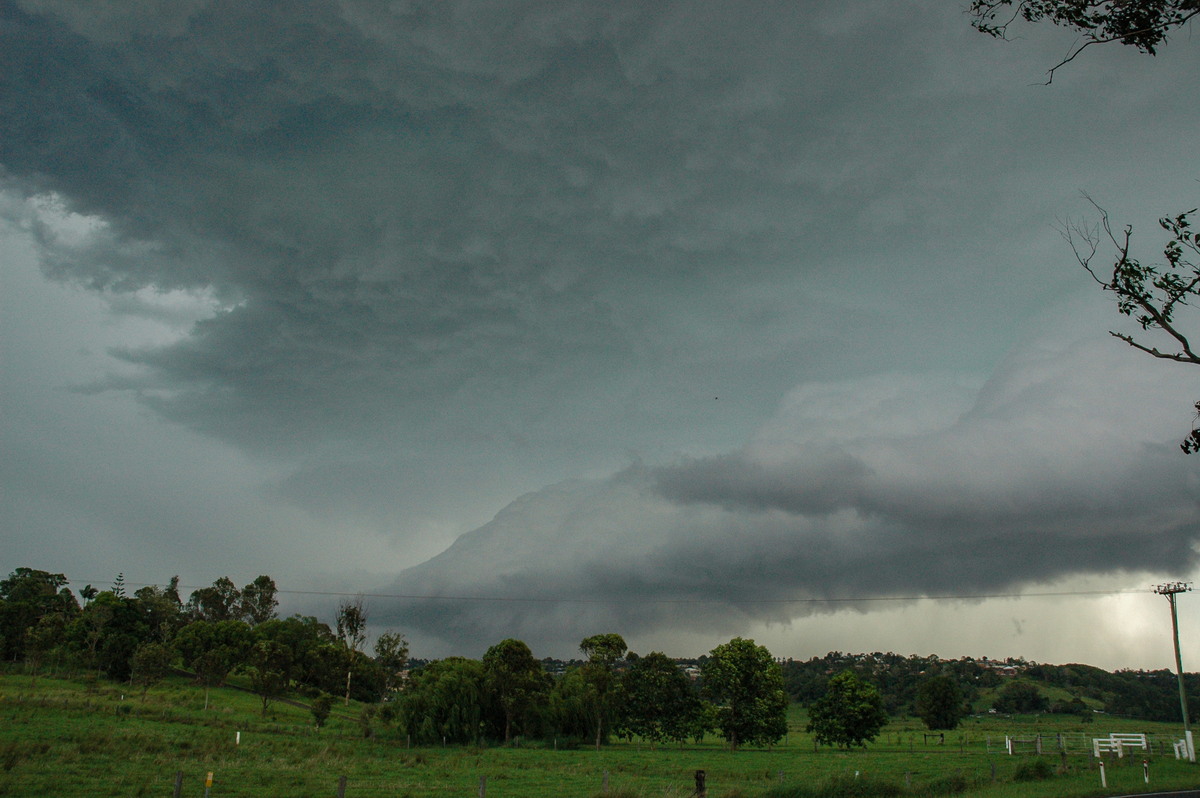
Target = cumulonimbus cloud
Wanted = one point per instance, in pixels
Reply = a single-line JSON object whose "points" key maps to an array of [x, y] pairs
{"points": [[1047, 472]]}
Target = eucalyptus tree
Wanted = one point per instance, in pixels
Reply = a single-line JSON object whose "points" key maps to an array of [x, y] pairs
{"points": [[603, 652]]}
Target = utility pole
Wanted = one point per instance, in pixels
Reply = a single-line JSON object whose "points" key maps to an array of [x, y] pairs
{"points": [[1170, 589]]}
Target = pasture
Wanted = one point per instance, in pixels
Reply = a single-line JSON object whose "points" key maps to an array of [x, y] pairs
{"points": [[96, 738]]}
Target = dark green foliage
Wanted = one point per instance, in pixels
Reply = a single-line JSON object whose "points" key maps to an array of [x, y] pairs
{"points": [[1020, 697], [850, 713], [517, 683], [257, 602], [444, 702], [745, 684], [221, 602], [150, 663], [213, 649], [1033, 770], [660, 702], [320, 708], [391, 654], [26, 596], [269, 667], [939, 703], [600, 677]]}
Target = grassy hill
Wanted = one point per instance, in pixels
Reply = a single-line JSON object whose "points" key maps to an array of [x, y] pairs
{"points": [[87, 737]]}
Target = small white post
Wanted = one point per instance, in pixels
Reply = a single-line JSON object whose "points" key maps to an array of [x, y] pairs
{"points": [[237, 738], [1103, 780]]}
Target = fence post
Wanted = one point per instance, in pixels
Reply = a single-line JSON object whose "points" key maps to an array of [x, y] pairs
{"points": [[342, 787], [483, 787], [701, 788], [604, 787], [178, 783]]}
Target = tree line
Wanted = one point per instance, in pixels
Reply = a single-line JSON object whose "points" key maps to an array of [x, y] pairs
{"points": [[223, 630], [979, 684], [737, 690]]}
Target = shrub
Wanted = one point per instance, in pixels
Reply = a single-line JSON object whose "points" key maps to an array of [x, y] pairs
{"points": [[1033, 770]]}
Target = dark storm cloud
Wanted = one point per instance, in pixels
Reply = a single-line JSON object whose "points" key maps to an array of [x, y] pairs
{"points": [[431, 255], [1030, 483], [407, 212]]}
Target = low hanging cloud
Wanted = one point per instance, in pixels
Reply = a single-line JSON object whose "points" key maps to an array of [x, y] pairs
{"points": [[1065, 463]]}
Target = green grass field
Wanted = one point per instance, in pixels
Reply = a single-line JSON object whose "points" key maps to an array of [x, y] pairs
{"points": [[75, 737]]}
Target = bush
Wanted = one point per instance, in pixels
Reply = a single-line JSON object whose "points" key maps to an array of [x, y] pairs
{"points": [[1033, 770]]}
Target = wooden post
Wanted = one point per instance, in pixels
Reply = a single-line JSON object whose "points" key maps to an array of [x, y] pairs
{"points": [[342, 787], [178, 783], [701, 788], [604, 787], [483, 787]]}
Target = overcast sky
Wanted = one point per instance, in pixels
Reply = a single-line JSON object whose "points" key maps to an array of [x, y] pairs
{"points": [[682, 320]]}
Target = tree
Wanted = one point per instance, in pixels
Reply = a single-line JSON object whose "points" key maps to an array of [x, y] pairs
{"points": [[850, 713], [1149, 294], [1020, 698], [151, 662], [1144, 24], [161, 609], [320, 709], [391, 653], [516, 680], [269, 669], [221, 602], [600, 675], [352, 632], [443, 702], [214, 648], [745, 683], [939, 703], [257, 602], [660, 702], [27, 596]]}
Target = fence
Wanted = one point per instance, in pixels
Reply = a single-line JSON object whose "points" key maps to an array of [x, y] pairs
{"points": [[1076, 744]]}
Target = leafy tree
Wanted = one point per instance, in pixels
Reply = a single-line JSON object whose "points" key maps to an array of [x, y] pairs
{"points": [[320, 708], [258, 602], [600, 675], [221, 602], [850, 713], [516, 680], [940, 703], [150, 664], [269, 669], [161, 609], [444, 702], [318, 660], [746, 684], [391, 654], [26, 596], [660, 702], [568, 710], [42, 638], [1020, 698], [214, 648], [1143, 24], [1150, 294], [352, 632]]}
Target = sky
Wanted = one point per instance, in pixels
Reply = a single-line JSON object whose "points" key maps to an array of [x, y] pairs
{"points": [[682, 320]]}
